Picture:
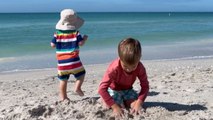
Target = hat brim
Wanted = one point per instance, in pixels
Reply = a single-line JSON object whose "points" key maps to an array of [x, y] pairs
{"points": [[61, 25]]}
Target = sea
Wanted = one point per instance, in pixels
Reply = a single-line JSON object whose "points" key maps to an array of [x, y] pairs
{"points": [[25, 37]]}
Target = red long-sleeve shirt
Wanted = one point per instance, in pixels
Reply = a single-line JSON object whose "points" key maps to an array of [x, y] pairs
{"points": [[117, 79]]}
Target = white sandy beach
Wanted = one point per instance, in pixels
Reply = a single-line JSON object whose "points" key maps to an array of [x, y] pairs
{"points": [[179, 90]]}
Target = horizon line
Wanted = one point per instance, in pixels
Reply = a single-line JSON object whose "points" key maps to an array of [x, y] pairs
{"points": [[120, 12]]}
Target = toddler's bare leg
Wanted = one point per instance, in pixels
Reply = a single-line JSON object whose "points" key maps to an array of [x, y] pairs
{"points": [[78, 84], [63, 90]]}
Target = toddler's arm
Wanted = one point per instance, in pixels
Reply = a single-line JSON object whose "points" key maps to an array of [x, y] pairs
{"points": [[52, 45], [83, 41]]}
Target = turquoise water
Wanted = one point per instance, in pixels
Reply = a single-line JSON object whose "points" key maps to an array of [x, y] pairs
{"points": [[25, 38]]}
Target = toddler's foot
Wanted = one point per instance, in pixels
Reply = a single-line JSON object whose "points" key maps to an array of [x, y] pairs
{"points": [[79, 92], [64, 99]]}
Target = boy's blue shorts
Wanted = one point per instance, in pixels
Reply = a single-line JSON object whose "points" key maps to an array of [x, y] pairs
{"points": [[123, 95]]}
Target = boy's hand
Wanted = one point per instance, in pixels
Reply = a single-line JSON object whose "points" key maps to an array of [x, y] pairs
{"points": [[136, 107], [117, 111]]}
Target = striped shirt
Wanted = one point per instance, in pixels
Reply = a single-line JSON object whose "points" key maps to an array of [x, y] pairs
{"points": [[67, 51]]}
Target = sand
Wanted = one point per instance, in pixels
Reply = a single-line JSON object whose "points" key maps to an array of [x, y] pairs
{"points": [[179, 90]]}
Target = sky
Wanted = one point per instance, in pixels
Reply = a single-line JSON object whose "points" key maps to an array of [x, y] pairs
{"points": [[11, 6]]}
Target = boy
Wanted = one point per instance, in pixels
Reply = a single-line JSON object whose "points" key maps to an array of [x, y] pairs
{"points": [[67, 40], [116, 87]]}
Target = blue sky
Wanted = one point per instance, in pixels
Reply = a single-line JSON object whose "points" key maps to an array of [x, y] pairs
{"points": [[106, 5]]}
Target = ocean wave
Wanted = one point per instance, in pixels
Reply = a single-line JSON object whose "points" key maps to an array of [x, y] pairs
{"points": [[184, 58], [7, 59], [26, 70]]}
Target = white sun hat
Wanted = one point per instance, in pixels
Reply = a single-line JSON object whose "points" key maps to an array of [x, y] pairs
{"points": [[69, 20]]}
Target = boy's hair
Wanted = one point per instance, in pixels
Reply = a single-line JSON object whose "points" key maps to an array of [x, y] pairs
{"points": [[129, 51]]}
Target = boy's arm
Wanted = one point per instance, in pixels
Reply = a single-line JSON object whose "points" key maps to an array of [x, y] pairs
{"points": [[144, 83], [136, 106], [104, 85], [103, 88], [117, 111]]}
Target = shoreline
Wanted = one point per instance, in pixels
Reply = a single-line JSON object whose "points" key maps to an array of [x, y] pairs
{"points": [[195, 58], [178, 90], [201, 49]]}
